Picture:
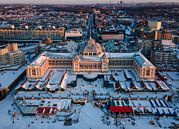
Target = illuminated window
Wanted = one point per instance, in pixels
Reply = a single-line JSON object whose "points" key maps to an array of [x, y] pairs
{"points": [[33, 72], [148, 72]]}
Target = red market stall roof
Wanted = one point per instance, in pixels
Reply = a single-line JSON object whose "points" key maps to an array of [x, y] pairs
{"points": [[46, 110], [121, 109]]}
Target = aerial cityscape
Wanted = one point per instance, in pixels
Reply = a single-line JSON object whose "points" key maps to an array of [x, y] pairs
{"points": [[89, 64]]}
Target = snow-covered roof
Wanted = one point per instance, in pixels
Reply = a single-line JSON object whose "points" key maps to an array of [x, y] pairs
{"points": [[29, 85], [39, 60], [58, 55], [137, 56], [121, 55], [55, 80], [141, 60], [64, 82], [64, 104], [9, 76], [56, 77], [46, 55], [89, 58]]}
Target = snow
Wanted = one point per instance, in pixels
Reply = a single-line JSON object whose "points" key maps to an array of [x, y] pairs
{"points": [[173, 75], [64, 104], [45, 55], [129, 81], [87, 115], [58, 55], [56, 77], [119, 76], [40, 85], [163, 85], [9, 76], [89, 58], [121, 55], [172, 79], [29, 49], [64, 82], [141, 60], [137, 56], [90, 75], [39, 60], [28, 85]]}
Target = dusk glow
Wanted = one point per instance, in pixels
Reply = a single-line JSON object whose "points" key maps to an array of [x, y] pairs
{"points": [[79, 1], [89, 64]]}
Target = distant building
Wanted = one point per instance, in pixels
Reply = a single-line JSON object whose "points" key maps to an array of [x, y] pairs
{"points": [[92, 59], [96, 11], [177, 62], [164, 55], [34, 34], [11, 55], [75, 33], [175, 39], [112, 35], [161, 34], [129, 34], [155, 25], [146, 47]]}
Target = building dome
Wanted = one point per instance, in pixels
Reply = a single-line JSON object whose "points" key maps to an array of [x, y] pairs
{"points": [[92, 48]]}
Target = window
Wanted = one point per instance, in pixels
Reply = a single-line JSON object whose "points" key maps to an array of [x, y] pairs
{"points": [[90, 66], [33, 72], [148, 73]]}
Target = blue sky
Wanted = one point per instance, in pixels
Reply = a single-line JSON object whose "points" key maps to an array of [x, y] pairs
{"points": [[78, 1]]}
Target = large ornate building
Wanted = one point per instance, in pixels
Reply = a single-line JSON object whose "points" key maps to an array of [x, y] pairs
{"points": [[93, 58]]}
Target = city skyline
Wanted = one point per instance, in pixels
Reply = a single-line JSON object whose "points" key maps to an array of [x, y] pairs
{"points": [[77, 1]]}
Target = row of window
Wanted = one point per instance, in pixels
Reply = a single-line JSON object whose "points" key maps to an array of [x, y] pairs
{"points": [[60, 62], [120, 62], [90, 54], [90, 66]]}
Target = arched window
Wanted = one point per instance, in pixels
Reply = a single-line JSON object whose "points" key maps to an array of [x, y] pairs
{"points": [[33, 71], [148, 72]]}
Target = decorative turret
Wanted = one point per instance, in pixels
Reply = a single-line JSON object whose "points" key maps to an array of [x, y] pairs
{"points": [[91, 41], [92, 48]]}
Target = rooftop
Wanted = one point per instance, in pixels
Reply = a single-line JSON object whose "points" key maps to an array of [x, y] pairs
{"points": [[168, 43], [139, 58], [9, 76]]}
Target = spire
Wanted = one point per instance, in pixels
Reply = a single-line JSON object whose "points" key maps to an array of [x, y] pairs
{"points": [[91, 41], [90, 33], [90, 37]]}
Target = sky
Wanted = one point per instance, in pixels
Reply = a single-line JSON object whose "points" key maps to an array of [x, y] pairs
{"points": [[78, 1]]}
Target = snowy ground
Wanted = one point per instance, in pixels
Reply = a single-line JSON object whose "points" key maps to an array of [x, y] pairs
{"points": [[90, 117]]}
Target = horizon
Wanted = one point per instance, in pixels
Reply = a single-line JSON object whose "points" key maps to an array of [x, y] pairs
{"points": [[77, 2]]}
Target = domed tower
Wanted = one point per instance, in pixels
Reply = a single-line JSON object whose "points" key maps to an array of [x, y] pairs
{"points": [[93, 59], [91, 41], [92, 49]]}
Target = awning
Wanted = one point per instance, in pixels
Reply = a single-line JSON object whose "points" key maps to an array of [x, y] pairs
{"points": [[46, 110], [121, 109]]}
